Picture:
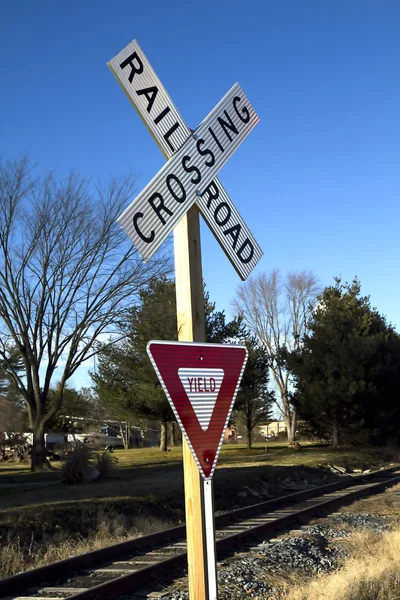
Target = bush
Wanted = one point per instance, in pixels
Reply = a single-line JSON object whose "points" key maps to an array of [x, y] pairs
{"points": [[76, 467], [105, 463], [82, 465]]}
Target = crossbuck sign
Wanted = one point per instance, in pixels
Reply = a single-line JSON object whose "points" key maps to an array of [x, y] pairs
{"points": [[195, 159], [202, 393]]}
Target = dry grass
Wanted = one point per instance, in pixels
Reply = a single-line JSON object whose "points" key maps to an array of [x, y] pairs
{"points": [[42, 520], [372, 572], [18, 554], [385, 504]]}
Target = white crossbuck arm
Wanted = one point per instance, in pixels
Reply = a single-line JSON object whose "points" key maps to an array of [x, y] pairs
{"points": [[195, 159]]}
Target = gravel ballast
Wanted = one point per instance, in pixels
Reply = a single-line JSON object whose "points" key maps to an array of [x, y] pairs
{"points": [[315, 550]]}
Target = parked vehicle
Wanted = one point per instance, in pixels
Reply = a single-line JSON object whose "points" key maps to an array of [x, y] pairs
{"points": [[97, 440]]}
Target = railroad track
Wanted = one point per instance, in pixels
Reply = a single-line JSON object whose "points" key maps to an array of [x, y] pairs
{"points": [[126, 567]]}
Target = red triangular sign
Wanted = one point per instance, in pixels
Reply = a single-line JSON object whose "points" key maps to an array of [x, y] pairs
{"points": [[201, 382]]}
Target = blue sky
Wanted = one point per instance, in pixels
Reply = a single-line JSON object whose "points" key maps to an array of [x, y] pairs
{"points": [[318, 179]]}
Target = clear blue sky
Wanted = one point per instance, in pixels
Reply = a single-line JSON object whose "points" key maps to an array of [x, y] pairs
{"points": [[317, 180]]}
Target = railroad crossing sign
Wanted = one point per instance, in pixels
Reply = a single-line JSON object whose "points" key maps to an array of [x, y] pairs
{"points": [[172, 200], [189, 177], [201, 382]]}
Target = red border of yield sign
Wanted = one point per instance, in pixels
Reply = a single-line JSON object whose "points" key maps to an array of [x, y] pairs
{"points": [[167, 359]]}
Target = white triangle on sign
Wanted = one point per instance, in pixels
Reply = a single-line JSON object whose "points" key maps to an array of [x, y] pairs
{"points": [[202, 388]]}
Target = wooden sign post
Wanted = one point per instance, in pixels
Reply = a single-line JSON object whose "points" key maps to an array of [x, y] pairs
{"points": [[202, 571], [171, 201]]}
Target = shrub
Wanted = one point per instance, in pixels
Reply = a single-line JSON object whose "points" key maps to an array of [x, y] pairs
{"points": [[105, 463], [76, 467]]}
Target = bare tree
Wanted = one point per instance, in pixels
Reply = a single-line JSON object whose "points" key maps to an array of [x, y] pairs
{"points": [[67, 272], [276, 311]]}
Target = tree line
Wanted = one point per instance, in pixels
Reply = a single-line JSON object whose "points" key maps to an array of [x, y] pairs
{"points": [[334, 358], [125, 382], [72, 287], [69, 278]]}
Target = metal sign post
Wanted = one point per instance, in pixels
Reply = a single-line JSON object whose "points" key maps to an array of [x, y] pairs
{"points": [[171, 201], [201, 382]]}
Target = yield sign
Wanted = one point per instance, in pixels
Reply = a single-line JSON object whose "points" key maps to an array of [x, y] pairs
{"points": [[201, 382]]}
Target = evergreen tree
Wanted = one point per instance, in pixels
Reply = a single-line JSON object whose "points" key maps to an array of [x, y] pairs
{"points": [[254, 402], [125, 380], [347, 369]]}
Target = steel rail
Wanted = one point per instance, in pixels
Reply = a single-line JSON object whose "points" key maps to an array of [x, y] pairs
{"points": [[119, 585], [132, 581]]}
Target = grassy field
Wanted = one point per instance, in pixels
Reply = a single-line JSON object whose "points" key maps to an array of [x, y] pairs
{"points": [[141, 472], [42, 520], [273, 453]]}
